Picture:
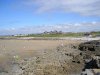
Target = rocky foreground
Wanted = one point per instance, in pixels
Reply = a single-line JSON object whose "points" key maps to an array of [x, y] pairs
{"points": [[63, 60]]}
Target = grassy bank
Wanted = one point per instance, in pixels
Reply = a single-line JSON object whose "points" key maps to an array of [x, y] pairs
{"points": [[56, 35]]}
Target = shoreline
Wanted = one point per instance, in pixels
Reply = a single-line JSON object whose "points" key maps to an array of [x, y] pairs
{"points": [[51, 38]]}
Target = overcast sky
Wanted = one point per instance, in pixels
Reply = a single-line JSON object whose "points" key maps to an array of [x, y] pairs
{"points": [[36, 16]]}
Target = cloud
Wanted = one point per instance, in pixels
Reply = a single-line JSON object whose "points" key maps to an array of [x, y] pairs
{"points": [[77, 27], [83, 7]]}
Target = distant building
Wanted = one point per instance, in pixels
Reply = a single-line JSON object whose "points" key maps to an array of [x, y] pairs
{"points": [[53, 32], [87, 34]]}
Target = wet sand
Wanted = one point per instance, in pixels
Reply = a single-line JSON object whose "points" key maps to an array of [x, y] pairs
{"points": [[27, 47]]}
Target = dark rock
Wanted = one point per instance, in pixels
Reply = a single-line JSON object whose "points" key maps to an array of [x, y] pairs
{"points": [[90, 45]]}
